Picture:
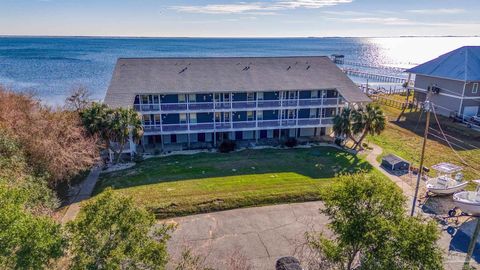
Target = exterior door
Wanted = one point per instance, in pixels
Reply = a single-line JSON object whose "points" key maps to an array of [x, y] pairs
{"points": [[471, 111]]}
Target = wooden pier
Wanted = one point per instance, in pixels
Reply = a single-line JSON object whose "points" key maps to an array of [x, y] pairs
{"points": [[392, 69], [374, 77]]}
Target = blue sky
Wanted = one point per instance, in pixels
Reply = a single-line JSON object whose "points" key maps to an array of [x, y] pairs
{"points": [[243, 18]]}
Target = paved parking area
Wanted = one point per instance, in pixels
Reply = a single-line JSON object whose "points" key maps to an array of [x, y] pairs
{"points": [[261, 235]]}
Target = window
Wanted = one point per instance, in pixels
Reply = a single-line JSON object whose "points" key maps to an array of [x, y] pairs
{"points": [[156, 100], [250, 96], [315, 94], [217, 117], [260, 95], [157, 119], [313, 113], [193, 118], [144, 99], [260, 115], [226, 117], [291, 114], [146, 119], [192, 98], [217, 97], [181, 98], [226, 97], [292, 94], [250, 116], [475, 88], [137, 100], [183, 118]]}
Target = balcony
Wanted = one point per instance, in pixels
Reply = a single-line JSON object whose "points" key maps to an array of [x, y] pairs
{"points": [[268, 123], [290, 103], [244, 104], [244, 124], [309, 122], [198, 106], [232, 126], [268, 103], [174, 106], [208, 106], [223, 126], [174, 127], [327, 121], [201, 126]]}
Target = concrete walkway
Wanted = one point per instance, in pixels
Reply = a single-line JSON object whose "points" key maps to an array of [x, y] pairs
{"points": [[85, 191]]}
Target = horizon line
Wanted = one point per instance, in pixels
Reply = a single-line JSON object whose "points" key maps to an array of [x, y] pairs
{"points": [[225, 37]]}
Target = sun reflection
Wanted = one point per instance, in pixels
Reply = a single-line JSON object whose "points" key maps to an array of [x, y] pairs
{"points": [[407, 52]]}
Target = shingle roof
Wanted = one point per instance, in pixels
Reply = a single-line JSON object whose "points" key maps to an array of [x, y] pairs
{"points": [[223, 74], [462, 64]]}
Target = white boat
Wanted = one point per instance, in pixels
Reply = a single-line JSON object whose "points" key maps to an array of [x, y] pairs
{"points": [[443, 183], [469, 201]]}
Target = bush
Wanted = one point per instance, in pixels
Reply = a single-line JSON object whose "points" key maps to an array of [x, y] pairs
{"points": [[338, 141], [291, 142], [137, 158], [227, 146]]}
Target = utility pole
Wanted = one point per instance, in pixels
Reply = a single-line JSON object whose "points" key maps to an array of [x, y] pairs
{"points": [[427, 107], [471, 246]]}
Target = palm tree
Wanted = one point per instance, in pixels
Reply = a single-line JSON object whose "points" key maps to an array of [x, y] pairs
{"points": [[125, 123], [370, 120], [342, 124], [96, 120]]}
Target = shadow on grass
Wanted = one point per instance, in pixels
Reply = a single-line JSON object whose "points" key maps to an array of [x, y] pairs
{"points": [[462, 138], [314, 163]]}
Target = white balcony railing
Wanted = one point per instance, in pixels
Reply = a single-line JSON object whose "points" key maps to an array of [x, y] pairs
{"points": [[232, 105], [238, 125]]}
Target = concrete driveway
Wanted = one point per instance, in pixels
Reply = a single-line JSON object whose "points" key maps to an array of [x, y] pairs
{"points": [[261, 235]]}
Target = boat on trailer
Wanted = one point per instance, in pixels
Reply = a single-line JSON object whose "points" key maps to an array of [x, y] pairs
{"points": [[469, 201], [444, 183]]}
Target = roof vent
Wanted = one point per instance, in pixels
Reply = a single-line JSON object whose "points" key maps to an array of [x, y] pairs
{"points": [[308, 67], [183, 70], [246, 68], [289, 67]]}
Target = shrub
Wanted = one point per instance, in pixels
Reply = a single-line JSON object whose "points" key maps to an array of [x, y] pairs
{"points": [[227, 146], [291, 142]]}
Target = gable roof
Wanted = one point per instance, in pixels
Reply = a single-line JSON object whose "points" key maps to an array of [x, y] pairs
{"points": [[226, 74], [462, 64]]}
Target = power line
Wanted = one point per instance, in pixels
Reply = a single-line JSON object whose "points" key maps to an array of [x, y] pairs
{"points": [[449, 144]]}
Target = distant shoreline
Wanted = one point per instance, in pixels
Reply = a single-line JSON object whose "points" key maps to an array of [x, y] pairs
{"points": [[300, 37]]}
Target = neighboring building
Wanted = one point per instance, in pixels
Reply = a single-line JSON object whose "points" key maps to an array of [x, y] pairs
{"points": [[455, 79], [197, 102]]}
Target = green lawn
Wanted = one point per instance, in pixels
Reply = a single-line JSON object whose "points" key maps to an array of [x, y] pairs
{"points": [[405, 140], [181, 185]]}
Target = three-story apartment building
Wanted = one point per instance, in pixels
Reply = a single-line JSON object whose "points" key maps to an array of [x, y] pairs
{"points": [[198, 102]]}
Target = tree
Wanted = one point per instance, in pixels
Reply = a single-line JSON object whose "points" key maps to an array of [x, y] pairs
{"points": [[112, 126], [112, 233], [26, 241], [125, 123], [370, 120], [54, 141], [78, 100], [371, 230], [96, 120], [342, 124]]}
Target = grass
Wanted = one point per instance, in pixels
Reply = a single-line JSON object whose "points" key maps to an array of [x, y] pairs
{"points": [[405, 138], [180, 185]]}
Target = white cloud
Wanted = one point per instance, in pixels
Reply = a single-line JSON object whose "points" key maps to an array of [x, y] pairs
{"points": [[395, 21], [437, 11], [258, 8]]}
